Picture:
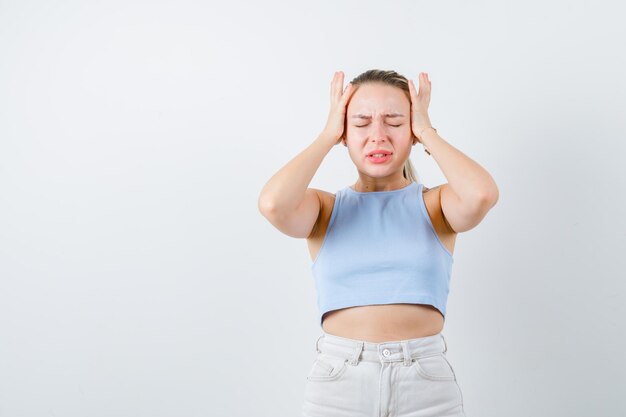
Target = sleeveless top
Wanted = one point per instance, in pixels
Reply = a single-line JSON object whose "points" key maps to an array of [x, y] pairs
{"points": [[381, 247]]}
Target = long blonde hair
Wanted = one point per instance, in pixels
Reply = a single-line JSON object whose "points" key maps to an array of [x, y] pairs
{"points": [[396, 80]]}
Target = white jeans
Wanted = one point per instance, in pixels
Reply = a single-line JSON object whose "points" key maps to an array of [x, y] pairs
{"points": [[404, 378]]}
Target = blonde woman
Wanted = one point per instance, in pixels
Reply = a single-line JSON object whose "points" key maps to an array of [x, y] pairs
{"points": [[382, 251]]}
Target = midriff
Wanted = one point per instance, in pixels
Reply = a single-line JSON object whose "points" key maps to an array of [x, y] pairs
{"points": [[384, 323]]}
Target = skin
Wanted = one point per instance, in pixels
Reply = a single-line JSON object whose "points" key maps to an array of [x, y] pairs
{"points": [[363, 135], [377, 323], [457, 206]]}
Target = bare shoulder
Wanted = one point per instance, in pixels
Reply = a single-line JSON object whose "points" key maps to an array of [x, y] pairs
{"points": [[324, 194], [327, 201], [432, 201], [425, 189], [325, 197]]}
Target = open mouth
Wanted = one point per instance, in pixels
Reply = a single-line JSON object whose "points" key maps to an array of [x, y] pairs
{"points": [[378, 158]]}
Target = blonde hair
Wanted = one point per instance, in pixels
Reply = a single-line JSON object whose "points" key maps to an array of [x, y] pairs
{"points": [[393, 79]]}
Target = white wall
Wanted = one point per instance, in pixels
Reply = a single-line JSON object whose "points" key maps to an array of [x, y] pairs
{"points": [[137, 277]]}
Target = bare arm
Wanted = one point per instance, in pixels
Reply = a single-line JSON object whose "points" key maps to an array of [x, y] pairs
{"points": [[285, 199], [471, 191]]}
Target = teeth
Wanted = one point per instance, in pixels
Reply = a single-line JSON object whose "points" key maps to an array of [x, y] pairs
{"points": [[378, 155]]}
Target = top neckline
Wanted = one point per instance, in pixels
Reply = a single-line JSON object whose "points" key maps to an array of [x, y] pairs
{"points": [[406, 187]]}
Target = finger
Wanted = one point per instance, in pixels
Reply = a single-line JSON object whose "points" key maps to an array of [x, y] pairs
{"points": [[414, 94], [347, 93], [422, 82], [339, 85], [333, 88], [427, 85], [412, 91]]}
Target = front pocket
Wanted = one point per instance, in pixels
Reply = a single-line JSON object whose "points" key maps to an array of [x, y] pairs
{"points": [[327, 368], [434, 368]]}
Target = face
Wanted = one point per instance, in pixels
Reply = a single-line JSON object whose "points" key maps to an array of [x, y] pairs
{"points": [[378, 117]]}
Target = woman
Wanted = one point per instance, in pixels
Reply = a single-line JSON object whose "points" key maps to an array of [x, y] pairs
{"points": [[381, 250]]}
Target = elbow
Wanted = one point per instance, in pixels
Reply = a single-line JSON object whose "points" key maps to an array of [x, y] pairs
{"points": [[266, 206], [490, 198]]}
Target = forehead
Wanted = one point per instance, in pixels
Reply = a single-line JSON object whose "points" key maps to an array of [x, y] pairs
{"points": [[378, 99]]}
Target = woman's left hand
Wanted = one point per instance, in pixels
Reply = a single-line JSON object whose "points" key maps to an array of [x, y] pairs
{"points": [[419, 105]]}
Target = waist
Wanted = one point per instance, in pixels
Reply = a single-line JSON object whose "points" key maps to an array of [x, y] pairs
{"points": [[376, 323], [388, 351]]}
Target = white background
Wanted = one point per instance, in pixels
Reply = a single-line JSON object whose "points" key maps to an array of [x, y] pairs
{"points": [[138, 278]]}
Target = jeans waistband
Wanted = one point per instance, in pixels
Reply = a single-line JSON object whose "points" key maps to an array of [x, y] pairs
{"points": [[406, 351]]}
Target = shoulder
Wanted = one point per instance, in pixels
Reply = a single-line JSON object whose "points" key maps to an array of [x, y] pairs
{"points": [[325, 197], [436, 188], [327, 202], [432, 201], [431, 191]]}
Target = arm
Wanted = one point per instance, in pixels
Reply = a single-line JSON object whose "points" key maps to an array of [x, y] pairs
{"points": [[470, 192], [285, 201]]}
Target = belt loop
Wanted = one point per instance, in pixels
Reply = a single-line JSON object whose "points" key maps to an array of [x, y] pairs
{"points": [[407, 354], [445, 345], [357, 353], [317, 344]]}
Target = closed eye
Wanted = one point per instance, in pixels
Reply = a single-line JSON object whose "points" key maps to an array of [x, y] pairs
{"points": [[389, 125]]}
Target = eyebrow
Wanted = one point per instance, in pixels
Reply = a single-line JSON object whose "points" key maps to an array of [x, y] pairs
{"points": [[363, 116]]}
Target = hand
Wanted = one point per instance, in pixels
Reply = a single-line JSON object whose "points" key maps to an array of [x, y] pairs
{"points": [[419, 106], [338, 104]]}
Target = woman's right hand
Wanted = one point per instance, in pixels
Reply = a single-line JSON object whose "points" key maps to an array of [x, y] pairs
{"points": [[338, 107]]}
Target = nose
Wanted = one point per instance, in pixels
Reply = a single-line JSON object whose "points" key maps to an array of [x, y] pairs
{"points": [[378, 133]]}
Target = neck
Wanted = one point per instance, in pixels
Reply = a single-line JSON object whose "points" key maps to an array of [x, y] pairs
{"points": [[373, 186]]}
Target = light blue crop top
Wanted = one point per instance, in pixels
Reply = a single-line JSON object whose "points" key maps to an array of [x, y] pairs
{"points": [[380, 247]]}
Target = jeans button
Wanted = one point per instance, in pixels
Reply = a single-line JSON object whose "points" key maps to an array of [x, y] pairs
{"points": [[386, 352]]}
